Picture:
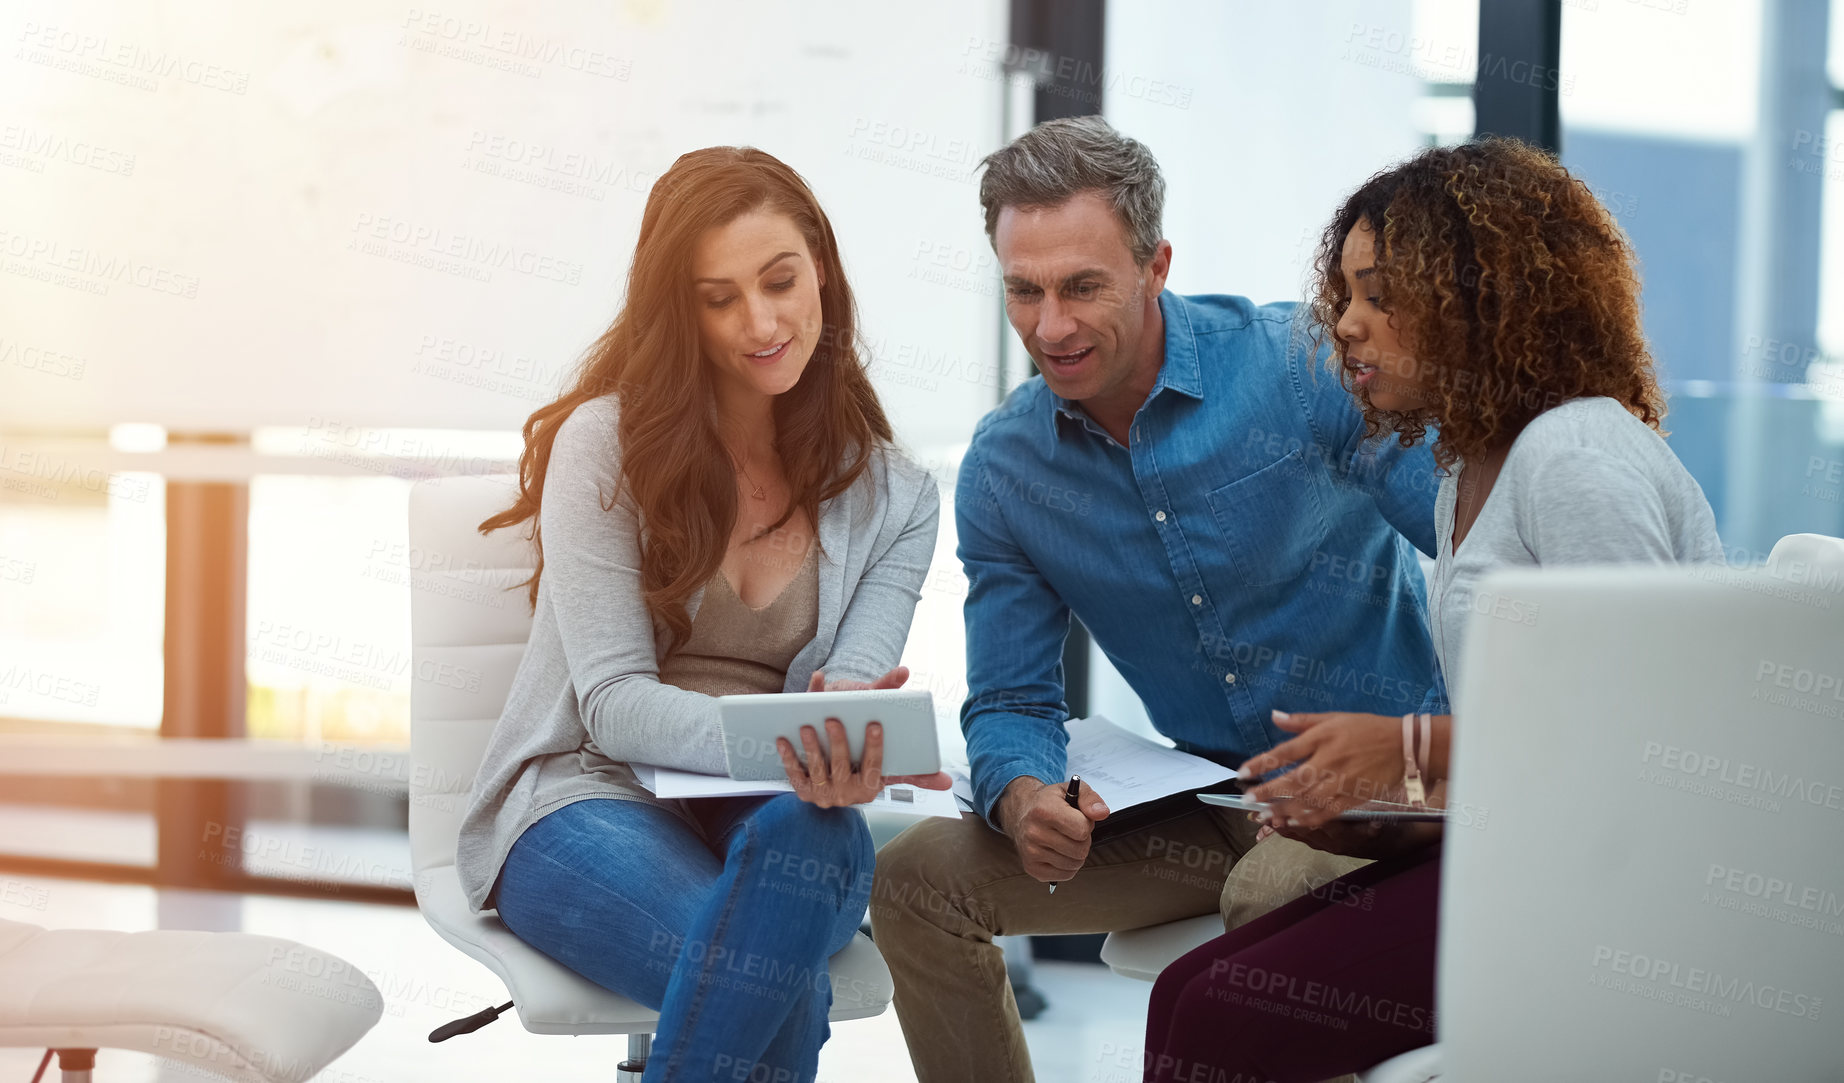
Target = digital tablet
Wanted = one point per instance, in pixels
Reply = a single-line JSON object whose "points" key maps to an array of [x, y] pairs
{"points": [[751, 724], [1369, 810]]}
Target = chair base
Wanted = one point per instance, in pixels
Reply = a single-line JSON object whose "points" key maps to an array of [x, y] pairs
{"points": [[639, 1048], [639, 1045], [75, 1065]]}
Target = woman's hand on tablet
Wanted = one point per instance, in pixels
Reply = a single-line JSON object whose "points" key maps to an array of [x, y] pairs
{"points": [[826, 777]]}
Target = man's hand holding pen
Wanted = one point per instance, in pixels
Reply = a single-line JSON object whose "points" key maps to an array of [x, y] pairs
{"points": [[1051, 834]]}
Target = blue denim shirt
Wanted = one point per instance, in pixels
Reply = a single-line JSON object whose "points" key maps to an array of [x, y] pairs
{"points": [[1247, 550]]}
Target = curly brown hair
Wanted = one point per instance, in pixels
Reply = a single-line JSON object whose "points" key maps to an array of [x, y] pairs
{"points": [[1510, 285]]}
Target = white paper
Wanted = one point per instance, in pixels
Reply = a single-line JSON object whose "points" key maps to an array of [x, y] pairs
{"points": [[669, 782], [914, 801], [963, 786], [1125, 769]]}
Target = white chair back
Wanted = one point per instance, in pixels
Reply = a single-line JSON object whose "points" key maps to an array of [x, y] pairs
{"points": [[1818, 558], [467, 635]]}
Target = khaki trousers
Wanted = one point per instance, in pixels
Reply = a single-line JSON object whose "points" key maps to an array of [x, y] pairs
{"points": [[945, 888]]}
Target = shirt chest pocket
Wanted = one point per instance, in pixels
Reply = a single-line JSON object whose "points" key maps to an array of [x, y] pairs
{"points": [[1271, 522]]}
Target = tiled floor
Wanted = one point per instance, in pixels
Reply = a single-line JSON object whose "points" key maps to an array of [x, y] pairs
{"points": [[1089, 1034]]}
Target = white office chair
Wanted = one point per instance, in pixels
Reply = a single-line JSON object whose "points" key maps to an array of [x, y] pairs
{"points": [[1803, 562], [1798, 558], [467, 635]]}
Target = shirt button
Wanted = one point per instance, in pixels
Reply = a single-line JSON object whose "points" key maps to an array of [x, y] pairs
{"points": [[1159, 515], [1197, 599], [1230, 678]]}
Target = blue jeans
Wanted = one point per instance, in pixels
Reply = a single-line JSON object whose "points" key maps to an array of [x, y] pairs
{"points": [[725, 931]]}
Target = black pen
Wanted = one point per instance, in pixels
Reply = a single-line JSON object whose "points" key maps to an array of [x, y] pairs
{"points": [[1069, 796]]}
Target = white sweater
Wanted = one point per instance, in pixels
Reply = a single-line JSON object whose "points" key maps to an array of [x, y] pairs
{"points": [[587, 700], [1585, 483]]}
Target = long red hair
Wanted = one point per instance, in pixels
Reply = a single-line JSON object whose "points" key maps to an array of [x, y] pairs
{"points": [[673, 463]]}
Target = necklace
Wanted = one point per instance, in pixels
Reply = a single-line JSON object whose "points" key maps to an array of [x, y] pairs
{"points": [[755, 491]]}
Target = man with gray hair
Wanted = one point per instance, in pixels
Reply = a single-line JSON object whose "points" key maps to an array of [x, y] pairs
{"points": [[1181, 479]]}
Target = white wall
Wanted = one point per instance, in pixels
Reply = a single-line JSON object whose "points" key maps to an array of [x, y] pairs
{"points": [[1290, 107], [221, 215]]}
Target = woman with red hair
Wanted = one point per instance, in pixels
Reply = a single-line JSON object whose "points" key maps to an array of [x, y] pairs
{"points": [[717, 508]]}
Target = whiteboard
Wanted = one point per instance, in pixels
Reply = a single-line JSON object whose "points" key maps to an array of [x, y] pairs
{"points": [[222, 216]]}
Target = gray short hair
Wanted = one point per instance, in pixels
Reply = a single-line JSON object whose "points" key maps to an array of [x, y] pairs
{"points": [[1047, 165]]}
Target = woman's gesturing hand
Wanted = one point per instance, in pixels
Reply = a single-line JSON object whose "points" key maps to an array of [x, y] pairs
{"points": [[1344, 760], [826, 777]]}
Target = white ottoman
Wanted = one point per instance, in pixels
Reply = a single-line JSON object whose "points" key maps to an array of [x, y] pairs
{"points": [[246, 1007]]}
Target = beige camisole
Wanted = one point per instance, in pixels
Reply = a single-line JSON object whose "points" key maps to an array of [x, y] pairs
{"points": [[734, 649]]}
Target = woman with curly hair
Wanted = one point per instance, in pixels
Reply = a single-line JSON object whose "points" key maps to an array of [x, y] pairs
{"points": [[1482, 293]]}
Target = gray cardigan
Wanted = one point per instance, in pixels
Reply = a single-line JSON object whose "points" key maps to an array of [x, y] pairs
{"points": [[587, 699]]}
